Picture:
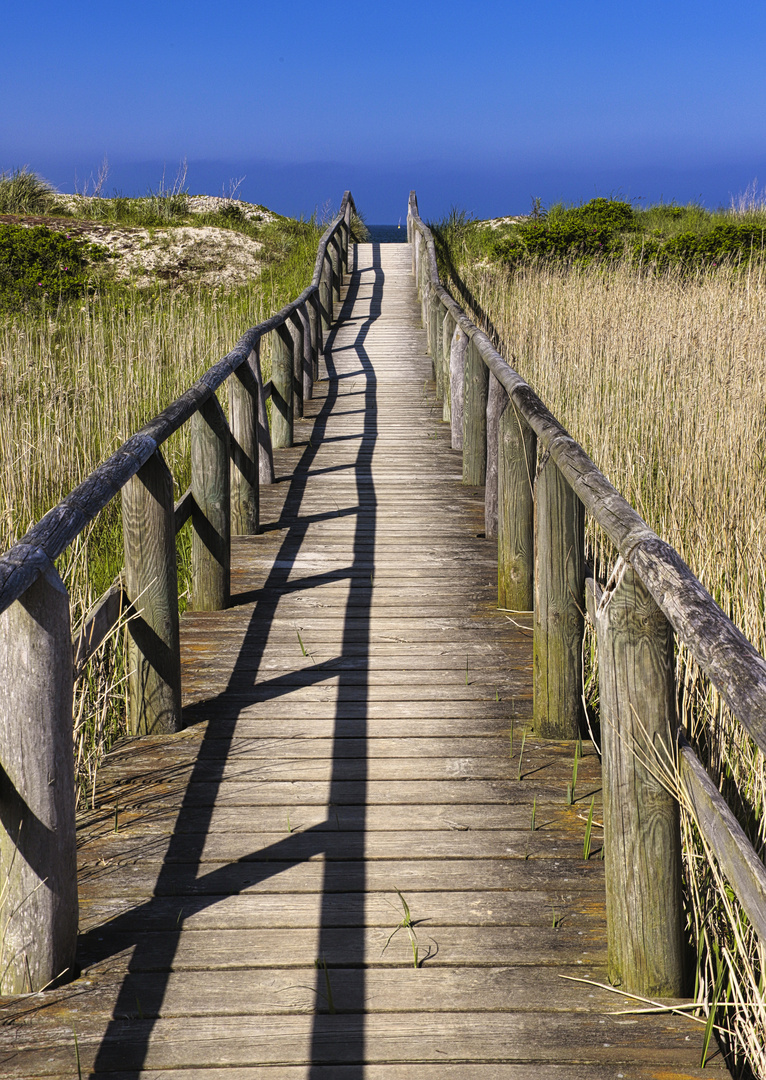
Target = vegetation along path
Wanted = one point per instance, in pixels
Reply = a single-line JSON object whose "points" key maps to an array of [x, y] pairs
{"points": [[356, 860]]}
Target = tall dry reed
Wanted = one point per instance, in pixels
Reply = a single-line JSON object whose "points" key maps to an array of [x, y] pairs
{"points": [[662, 378], [74, 384]]}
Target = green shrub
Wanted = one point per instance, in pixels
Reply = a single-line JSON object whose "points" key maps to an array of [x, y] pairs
{"points": [[24, 192], [38, 265], [725, 242]]}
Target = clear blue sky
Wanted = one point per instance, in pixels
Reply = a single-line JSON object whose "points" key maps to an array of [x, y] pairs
{"points": [[479, 107]]}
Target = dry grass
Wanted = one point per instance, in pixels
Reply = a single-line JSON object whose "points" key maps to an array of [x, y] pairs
{"points": [[74, 384], [663, 381]]}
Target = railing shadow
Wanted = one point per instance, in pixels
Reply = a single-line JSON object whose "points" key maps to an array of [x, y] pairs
{"points": [[126, 1041]]}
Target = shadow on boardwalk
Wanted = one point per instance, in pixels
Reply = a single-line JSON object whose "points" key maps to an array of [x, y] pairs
{"points": [[126, 1042]]}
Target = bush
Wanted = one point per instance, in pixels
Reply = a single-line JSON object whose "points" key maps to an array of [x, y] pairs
{"points": [[38, 265]]}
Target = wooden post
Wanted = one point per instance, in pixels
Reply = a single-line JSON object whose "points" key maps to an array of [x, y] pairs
{"points": [[642, 837], [308, 352], [151, 582], [265, 453], [475, 417], [516, 465], [211, 541], [559, 605], [497, 403], [282, 387], [448, 326], [335, 266], [458, 347], [243, 409], [295, 327], [315, 324], [436, 342], [325, 292], [38, 853]]}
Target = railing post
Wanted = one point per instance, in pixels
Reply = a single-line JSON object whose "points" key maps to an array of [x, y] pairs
{"points": [[447, 329], [497, 403], [295, 327], [325, 291], [516, 464], [435, 325], [475, 417], [458, 348], [315, 322], [282, 387], [265, 454], [335, 266], [559, 604], [243, 409], [211, 540], [151, 582], [308, 352], [642, 839], [38, 854]]}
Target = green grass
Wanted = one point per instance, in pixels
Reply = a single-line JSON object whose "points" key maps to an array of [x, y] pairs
{"points": [[24, 192]]}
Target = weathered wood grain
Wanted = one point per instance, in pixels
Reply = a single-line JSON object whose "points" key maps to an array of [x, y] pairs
{"points": [[517, 466], [151, 583], [38, 897], [282, 382], [641, 818], [244, 479], [476, 381], [211, 539], [458, 347], [559, 604]]}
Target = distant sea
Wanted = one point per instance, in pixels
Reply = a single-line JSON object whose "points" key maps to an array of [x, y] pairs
{"points": [[388, 234]]}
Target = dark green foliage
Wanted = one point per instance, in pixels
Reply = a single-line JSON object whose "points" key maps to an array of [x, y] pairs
{"points": [[577, 234], [603, 231], [38, 265], [726, 242]]}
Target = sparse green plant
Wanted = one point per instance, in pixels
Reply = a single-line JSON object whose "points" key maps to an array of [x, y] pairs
{"points": [[405, 924], [578, 752], [588, 831], [321, 965], [521, 751], [534, 811]]}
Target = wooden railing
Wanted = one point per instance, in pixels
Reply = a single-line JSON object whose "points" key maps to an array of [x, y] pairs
{"points": [[539, 485], [39, 657]]}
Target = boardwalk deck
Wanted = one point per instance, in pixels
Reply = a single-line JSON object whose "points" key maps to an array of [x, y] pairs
{"points": [[355, 736]]}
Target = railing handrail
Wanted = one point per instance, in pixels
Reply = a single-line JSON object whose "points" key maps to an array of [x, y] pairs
{"points": [[723, 653], [30, 556], [731, 663]]}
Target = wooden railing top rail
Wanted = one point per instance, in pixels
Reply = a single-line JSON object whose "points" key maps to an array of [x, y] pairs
{"points": [[48, 538], [733, 665]]}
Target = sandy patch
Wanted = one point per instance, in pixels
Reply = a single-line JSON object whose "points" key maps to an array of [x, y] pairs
{"points": [[178, 254]]}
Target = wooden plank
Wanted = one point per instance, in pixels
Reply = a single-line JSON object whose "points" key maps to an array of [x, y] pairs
{"points": [[177, 1043]]}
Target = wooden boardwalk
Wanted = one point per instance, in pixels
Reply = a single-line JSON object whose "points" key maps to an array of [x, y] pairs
{"points": [[355, 738]]}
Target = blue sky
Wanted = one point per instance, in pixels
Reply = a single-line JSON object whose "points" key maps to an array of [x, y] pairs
{"points": [[478, 108]]}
